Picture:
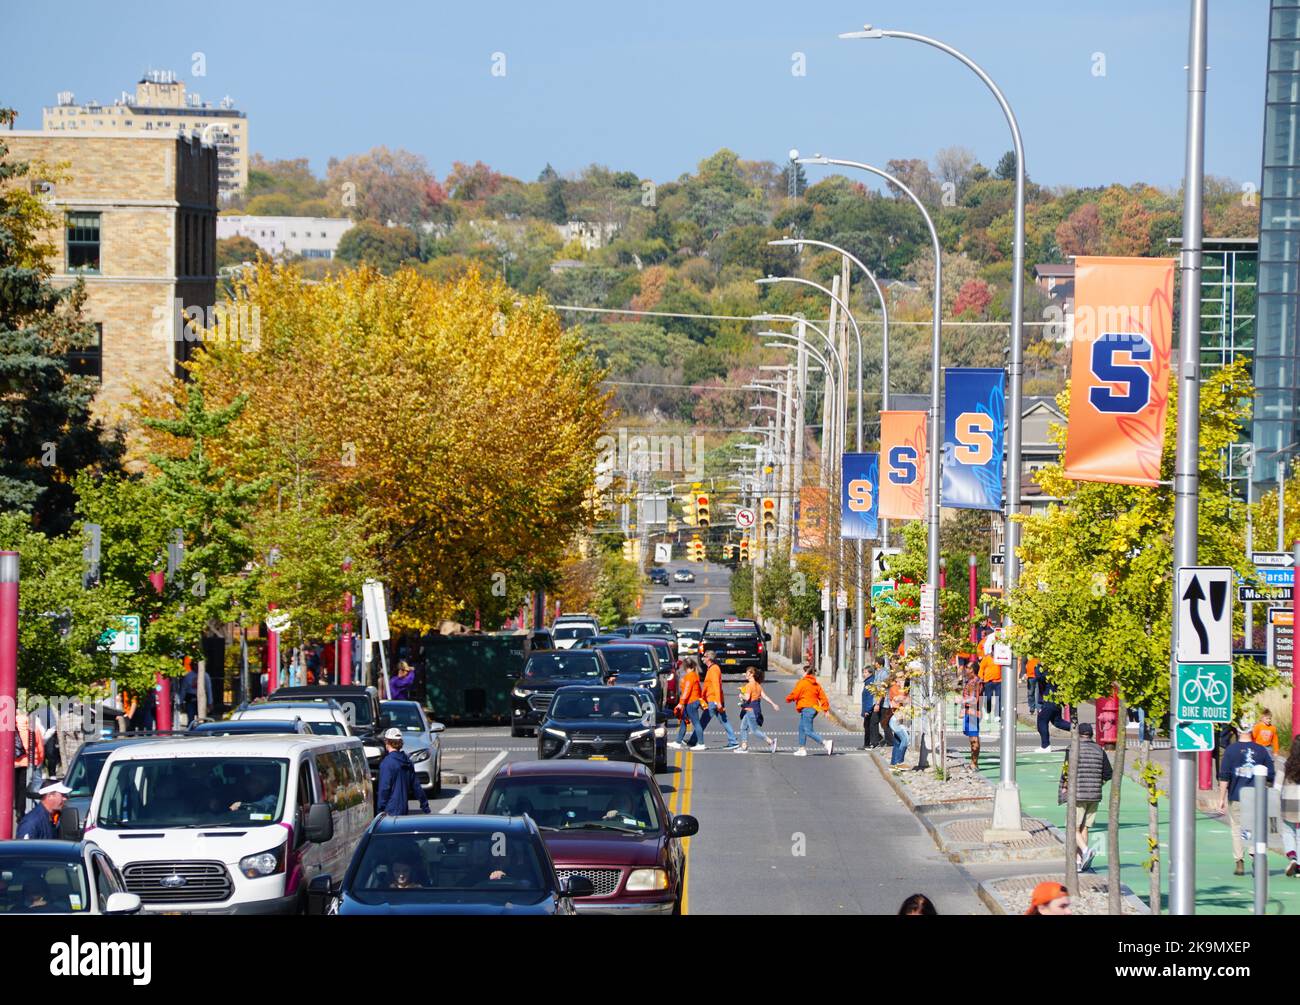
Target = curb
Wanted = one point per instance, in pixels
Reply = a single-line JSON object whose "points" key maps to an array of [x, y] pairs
{"points": [[994, 902], [921, 809]]}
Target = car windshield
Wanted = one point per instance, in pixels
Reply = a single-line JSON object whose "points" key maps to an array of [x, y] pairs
{"points": [[569, 664], [672, 598], [404, 716], [690, 633], [616, 804], [85, 771], [596, 705], [653, 627], [409, 867], [193, 792], [330, 728], [573, 632], [629, 661], [245, 728], [38, 885]]}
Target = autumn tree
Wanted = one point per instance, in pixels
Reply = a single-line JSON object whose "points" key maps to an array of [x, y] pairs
{"points": [[382, 185]]}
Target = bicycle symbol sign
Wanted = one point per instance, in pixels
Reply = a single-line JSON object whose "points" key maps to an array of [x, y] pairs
{"points": [[1205, 692]]}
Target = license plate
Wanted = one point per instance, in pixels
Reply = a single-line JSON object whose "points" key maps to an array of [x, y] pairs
{"points": [[731, 661]]}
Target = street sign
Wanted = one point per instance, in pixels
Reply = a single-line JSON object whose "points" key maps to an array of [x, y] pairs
{"points": [[1204, 615], [881, 587], [1268, 594], [1274, 576], [376, 610], [663, 552], [1280, 647], [1192, 737], [878, 556], [745, 518], [842, 600], [278, 621], [125, 639], [1280, 559], [997, 560], [1204, 692], [1002, 654], [826, 598]]}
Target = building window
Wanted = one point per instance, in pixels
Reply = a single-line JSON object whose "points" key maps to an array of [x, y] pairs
{"points": [[88, 361], [83, 242]]}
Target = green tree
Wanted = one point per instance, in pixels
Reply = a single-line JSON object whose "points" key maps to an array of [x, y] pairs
{"points": [[373, 244], [237, 250]]}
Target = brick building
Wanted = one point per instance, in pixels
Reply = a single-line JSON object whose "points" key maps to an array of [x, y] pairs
{"points": [[139, 216]]}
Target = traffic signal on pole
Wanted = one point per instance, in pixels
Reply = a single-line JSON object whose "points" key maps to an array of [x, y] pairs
{"points": [[769, 516], [744, 549], [688, 512], [702, 510], [629, 550]]}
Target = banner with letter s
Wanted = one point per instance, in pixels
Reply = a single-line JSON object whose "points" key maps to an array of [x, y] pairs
{"points": [[973, 423], [860, 497], [902, 465], [1119, 369]]}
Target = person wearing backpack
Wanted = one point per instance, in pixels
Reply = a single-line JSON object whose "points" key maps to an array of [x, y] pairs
{"points": [[752, 697], [809, 698]]}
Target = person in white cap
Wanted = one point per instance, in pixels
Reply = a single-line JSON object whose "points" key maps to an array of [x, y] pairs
{"points": [[38, 824], [397, 781]]}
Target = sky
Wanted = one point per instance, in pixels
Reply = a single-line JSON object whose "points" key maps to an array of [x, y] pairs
{"points": [[654, 87]]}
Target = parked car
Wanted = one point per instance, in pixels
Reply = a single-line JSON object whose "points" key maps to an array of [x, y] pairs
{"points": [[637, 665], [421, 739], [688, 641], [659, 576], [603, 820], [249, 727], [683, 576], [449, 864], [674, 605], [61, 877], [231, 825], [545, 673], [736, 643], [605, 723]]}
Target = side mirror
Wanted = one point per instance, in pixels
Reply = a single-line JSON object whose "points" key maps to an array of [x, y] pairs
{"points": [[319, 892], [69, 824], [319, 827], [437, 727], [684, 826], [577, 886], [767, 636], [122, 903]]}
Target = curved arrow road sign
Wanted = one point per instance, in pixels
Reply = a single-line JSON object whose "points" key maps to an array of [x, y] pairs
{"points": [[1204, 614]]}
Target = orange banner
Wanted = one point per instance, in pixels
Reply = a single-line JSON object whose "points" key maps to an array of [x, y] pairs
{"points": [[813, 501], [1120, 366], [902, 465]]}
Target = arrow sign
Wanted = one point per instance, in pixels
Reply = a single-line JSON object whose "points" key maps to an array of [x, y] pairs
{"points": [[1279, 559], [1194, 736], [1204, 614]]}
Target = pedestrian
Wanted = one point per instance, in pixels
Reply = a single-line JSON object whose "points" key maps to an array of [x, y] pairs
{"points": [[809, 698], [886, 707], [1236, 773], [29, 756], [752, 697], [397, 782], [900, 721], [716, 705], [879, 688], [41, 823], [991, 671], [1031, 684], [690, 696], [402, 683], [1289, 783], [868, 705], [1264, 733], [1094, 772], [1049, 712], [917, 903], [971, 692], [1049, 898], [190, 692]]}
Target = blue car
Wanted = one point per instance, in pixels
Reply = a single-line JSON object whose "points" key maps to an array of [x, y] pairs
{"points": [[449, 864]]}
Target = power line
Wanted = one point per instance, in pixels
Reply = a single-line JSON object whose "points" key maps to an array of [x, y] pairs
{"points": [[752, 318]]}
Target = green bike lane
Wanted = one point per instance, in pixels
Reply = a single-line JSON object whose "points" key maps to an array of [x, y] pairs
{"points": [[1218, 891]]}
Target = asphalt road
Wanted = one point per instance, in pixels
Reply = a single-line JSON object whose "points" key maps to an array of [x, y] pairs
{"points": [[779, 834]]}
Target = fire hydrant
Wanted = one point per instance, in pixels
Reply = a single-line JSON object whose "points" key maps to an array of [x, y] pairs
{"points": [[1108, 719]]}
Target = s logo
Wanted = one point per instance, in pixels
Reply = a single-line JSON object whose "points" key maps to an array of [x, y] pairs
{"points": [[1134, 381], [861, 495], [902, 465], [974, 431]]}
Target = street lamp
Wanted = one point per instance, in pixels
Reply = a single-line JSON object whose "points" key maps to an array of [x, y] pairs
{"points": [[1006, 803]]}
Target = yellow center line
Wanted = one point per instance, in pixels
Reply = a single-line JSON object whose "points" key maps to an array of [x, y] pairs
{"points": [[686, 843]]}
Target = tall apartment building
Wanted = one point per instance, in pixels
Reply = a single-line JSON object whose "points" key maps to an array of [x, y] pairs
{"points": [[161, 104], [139, 227]]}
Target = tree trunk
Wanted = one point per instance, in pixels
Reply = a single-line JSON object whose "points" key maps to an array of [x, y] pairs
{"points": [[1072, 811], [1113, 905], [203, 689], [1153, 833]]}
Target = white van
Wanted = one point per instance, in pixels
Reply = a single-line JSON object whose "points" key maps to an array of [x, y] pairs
{"points": [[231, 824]]}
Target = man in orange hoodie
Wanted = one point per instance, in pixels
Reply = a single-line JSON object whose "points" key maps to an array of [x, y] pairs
{"points": [[809, 698], [716, 704], [688, 706]]}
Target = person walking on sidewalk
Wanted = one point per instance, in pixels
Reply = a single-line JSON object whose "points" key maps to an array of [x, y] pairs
{"points": [[1265, 733], [1049, 712], [1236, 773], [1031, 684], [900, 721], [879, 692], [716, 703], [752, 697], [809, 698], [1290, 819], [1094, 772], [971, 691], [689, 698], [868, 705]]}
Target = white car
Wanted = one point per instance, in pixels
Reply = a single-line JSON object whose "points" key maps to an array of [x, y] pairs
{"points": [[326, 718], [688, 641], [674, 606], [569, 634]]}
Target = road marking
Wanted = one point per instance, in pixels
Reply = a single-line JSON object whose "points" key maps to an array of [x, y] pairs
{"points": [[688, 780], [451, 806]]}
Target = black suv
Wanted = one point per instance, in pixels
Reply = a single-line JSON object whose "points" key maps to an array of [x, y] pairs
{"points": [[545, 673], [736, 643], [659, 576], [600, 724]]}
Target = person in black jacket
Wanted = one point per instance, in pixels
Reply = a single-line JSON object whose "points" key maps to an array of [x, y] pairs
{"points": [[397, 782], [1094, 772], [1049, 712]]}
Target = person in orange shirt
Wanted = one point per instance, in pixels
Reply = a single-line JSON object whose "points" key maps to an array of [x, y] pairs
{"points": [[752, 697], [716, 704], [809, 698], [1264, 733], [991, 674], [1031, 684], [689, 699]]}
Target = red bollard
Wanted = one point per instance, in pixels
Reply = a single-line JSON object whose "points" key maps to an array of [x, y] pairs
{"points": [[8, 687], [345, 647], [272, 657], [974, 595], [163, 687]]}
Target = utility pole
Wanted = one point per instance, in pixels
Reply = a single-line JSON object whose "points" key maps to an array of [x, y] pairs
{"points": [[8, 687]]}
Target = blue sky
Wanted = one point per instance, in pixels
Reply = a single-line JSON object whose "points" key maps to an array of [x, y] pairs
{"points": [[653, 87]]}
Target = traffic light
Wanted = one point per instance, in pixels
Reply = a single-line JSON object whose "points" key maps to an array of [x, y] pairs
{"points": [[629, 550], [702, 510], [728, 551], [695, 550], [688, 512], [769, 516], [744, 549]]}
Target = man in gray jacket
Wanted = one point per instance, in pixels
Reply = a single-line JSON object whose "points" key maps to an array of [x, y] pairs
{"points": [[1094, 772]]}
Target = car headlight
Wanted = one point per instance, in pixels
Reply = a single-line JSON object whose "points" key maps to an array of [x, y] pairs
{"points": [[420, 756], [520, 693], [559, 734], [661, 731], [640, 734], [644, 880], [264, 863]]}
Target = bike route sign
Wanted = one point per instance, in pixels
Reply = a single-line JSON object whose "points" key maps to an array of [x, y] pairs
{"points": [[1204, 692]]}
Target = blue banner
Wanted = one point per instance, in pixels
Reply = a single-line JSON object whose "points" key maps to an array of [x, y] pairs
{"points": [[973, 430], [860, 497]]}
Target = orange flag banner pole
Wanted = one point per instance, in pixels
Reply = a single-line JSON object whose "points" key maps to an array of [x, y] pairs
{"points": [[902, 465]]}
